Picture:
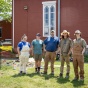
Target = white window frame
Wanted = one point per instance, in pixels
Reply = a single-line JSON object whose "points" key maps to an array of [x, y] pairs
{"points": [[49, 4]]}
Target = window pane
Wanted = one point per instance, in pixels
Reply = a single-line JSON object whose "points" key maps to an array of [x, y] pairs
{"points": [[46, 20], [46, 10], [46, 31], [52, 28], [52, 9], [52, 22], [46, 16], [52, 16], [46, 23]]}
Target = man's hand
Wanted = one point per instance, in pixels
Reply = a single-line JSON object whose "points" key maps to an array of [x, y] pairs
{"points": [[44, 50], [57, 52], [83, 51]]}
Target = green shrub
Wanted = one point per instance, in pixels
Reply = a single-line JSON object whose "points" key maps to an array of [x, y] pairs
{"points": [[86, 58]]}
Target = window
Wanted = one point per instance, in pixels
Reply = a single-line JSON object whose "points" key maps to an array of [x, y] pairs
{"points": [[0, 32], [49, 17]]}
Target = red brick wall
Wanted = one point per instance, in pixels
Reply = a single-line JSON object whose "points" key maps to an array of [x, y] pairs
{"points": [[28, 21], [74, 15], [6, 30]]}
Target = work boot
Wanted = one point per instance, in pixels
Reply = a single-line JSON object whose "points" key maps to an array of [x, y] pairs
{"points": [[60, 75], [43, 72], [75, 79], [67, 75], [52, 73], [81, 79]]}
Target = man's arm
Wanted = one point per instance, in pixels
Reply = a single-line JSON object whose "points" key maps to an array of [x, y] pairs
{"points": [[58, 50], [84, 46], [18, 50], [71, 49], [44, 47], [31, 49], [83, 50]]}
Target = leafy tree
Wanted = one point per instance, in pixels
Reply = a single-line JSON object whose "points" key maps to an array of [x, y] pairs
{"points": [[5, 9]]}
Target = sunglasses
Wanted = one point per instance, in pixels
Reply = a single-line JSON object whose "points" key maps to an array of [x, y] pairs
{"points": [[77, 33], [64, 33]]}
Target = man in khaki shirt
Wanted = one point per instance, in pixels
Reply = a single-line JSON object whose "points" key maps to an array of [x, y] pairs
{"points": [[79, 45], [65, 50]]}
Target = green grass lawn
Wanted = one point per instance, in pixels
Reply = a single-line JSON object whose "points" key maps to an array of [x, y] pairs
{"points": [[9, 78]]}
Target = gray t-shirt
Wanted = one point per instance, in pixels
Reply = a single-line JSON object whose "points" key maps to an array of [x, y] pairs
{"points": [[65, 45], [37, 46]]}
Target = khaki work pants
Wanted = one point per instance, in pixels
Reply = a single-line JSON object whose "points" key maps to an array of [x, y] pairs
{"points": [[65, 58], [78, 61], [49, 57]]}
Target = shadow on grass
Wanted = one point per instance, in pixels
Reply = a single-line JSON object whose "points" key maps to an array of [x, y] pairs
{"points": [[18, 75], [75, 83], [33, 74], [48, 76], [63, 80], [78, 83], [30, 75]]}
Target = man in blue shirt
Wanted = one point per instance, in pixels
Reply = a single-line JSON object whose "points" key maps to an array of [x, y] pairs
{"points": [[50, 45]]}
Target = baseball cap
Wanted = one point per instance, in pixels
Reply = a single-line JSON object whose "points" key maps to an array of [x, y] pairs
{"points": [[38, 34]]}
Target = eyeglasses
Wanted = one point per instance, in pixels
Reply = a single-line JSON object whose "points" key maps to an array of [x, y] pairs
{"points": [[77, 33]]}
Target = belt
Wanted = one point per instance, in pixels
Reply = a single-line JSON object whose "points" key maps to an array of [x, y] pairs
{"points": [[64, 52], [51, 51]]}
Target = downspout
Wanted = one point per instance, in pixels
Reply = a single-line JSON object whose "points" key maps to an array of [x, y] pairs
{"points": [[13, 23], [59, 19]]}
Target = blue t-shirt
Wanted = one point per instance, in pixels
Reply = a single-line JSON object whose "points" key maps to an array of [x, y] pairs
{"points": [[37, 46], [51, 43], [22, 43]]}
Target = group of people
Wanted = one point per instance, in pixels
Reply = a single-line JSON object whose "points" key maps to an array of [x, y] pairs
{"points": [[51, 46]]}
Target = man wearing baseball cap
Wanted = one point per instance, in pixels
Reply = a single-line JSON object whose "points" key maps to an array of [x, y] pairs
{"points": [[51, 45], [37, 46], [79, 45]]}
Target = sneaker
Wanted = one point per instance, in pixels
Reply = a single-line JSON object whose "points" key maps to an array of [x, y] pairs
{"points": [[67, 75], [36, 70], [20, 73]]}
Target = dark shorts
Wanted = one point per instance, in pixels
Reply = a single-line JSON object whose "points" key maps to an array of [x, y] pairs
{"points": [[38, 57]]}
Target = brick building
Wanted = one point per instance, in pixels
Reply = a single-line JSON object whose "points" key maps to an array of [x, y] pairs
{"points": [[33, 16]]}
